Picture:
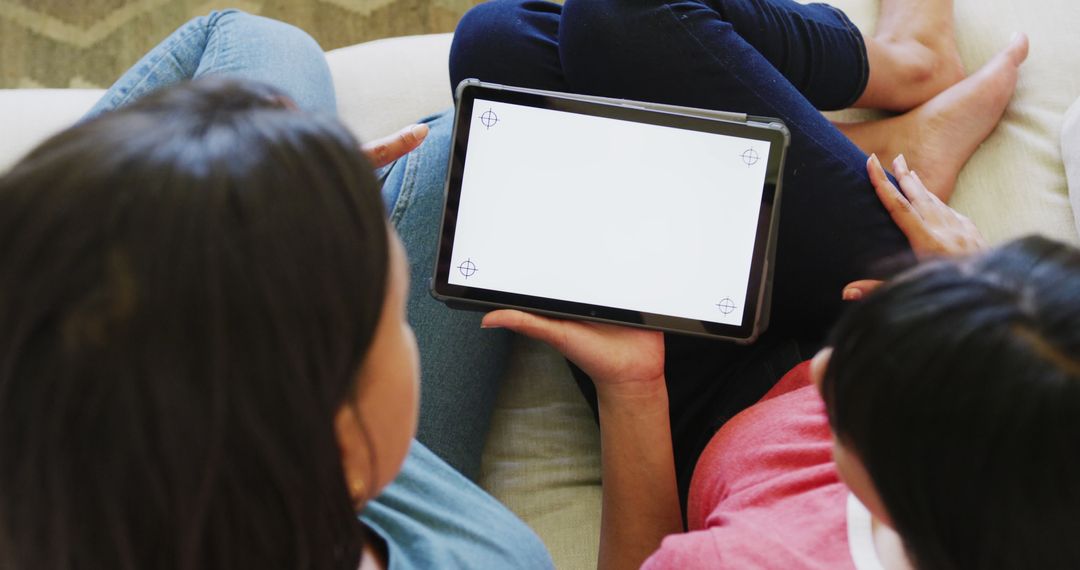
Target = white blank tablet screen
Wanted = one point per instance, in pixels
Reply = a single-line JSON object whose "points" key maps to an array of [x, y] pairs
{"points": [[607, 212]]}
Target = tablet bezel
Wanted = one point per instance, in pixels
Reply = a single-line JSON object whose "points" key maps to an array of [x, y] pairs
{"points": [[756, 303]]}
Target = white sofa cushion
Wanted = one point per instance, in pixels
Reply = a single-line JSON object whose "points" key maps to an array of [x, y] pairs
{"points": [[386, 84], [29, 116]]}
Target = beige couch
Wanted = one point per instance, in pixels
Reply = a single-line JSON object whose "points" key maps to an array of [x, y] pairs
{"points": [[542, 456]]}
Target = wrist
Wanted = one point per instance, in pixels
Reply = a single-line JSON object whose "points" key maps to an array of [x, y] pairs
{"points": [[643, 395]]}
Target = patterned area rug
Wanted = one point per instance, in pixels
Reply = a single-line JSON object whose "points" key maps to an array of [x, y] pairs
{"points": [[89, 43]]}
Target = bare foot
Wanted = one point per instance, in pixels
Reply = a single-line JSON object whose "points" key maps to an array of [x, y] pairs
{"points": [[939, 136], [913, 54]]}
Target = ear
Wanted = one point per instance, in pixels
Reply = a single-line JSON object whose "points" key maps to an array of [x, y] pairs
{"points": [[818, 365], [355, 455]]}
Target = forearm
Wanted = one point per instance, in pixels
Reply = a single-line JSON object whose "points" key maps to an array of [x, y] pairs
{"points": [[640, 502]]}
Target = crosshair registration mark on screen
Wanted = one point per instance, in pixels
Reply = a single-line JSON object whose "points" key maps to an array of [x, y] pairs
{"points": [[467, 268], [750, 157], [488, 119], [726, 306]]}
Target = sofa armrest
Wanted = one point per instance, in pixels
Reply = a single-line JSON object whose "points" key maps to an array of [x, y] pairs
{"points": [[387, 84], [29, 116]]}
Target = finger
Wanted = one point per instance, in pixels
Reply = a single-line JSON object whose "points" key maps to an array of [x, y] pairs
{"points": [[929, 205], [388, 149], [857, 290], [930, 195], [900, 166], [912, 186], [533, 326], [938, 203], [900, 209], [921, 199], [976, 241]]}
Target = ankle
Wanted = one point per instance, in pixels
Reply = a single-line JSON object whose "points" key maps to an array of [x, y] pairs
{"points": [[915, 64], [908, 72]]}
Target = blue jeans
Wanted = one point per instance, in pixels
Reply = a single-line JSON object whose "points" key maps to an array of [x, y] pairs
{"points": [[234, 43], [772, 58], [461, 364]]}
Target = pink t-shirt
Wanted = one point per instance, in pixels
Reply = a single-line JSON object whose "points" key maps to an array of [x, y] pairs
{"points": [[765, 492]]}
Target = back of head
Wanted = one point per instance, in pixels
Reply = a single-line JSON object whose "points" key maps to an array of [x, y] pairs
{"points": [[958, 387], [188, 287]]}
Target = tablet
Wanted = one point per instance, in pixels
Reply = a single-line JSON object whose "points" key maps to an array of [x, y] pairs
{"points": [[619, 211]]}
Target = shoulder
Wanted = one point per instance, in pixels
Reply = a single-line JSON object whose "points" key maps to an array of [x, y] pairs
{"points": [[431, 516], [689, 550], [750, 542], [721, 548]]}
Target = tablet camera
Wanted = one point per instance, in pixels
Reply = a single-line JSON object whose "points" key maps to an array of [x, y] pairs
{"points": [[726, 306], [750, 157], [467, 268], [489, 119]]}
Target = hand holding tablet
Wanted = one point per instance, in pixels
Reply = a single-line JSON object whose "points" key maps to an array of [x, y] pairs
{"points": [[589, 208]]}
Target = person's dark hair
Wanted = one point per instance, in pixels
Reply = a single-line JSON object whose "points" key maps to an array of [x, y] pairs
{"points": [[188, 288], [958, 387]]}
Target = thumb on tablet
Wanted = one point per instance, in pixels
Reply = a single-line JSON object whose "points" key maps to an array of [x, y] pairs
{"points": [[609, 354], [528, 324]]}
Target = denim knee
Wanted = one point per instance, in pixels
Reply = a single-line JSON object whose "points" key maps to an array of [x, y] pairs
{"points": [[603, 16], [270, 51], [492, 36], [479, 35], [254, 27], [211, 20], [491, 19]]}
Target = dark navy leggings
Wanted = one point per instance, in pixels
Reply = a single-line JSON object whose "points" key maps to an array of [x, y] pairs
{"points": [[773, 58]]}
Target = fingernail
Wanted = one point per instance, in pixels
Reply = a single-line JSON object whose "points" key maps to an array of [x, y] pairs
{"points": [[875, 163], [902, 162], [1013, 37], [852, 294], [419, 131]]}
